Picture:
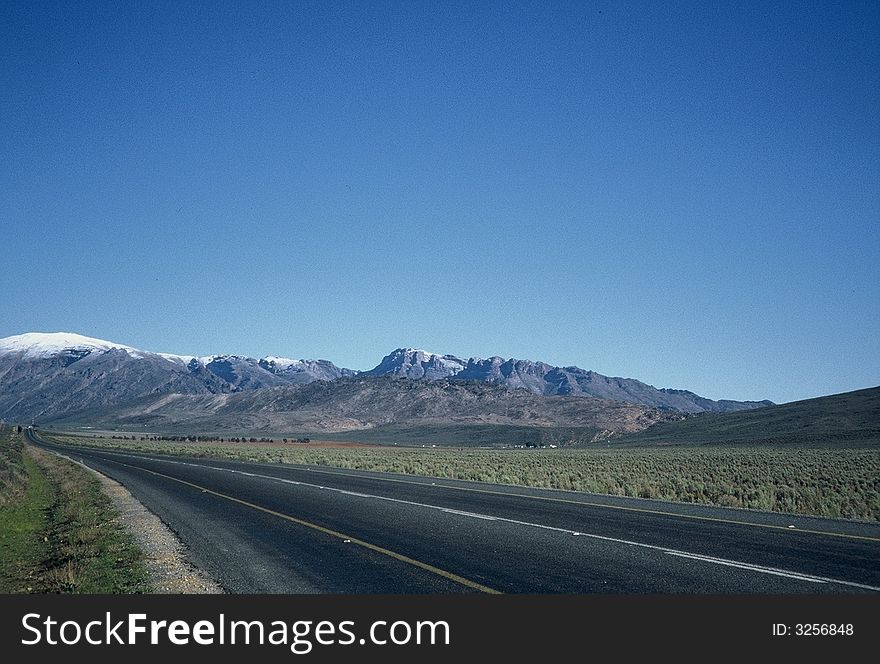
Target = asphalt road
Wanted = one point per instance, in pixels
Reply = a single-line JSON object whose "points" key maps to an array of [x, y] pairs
{"points": [[295, 529]]}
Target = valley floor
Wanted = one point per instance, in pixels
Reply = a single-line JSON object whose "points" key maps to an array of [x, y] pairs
{"points": [[840, 482]]}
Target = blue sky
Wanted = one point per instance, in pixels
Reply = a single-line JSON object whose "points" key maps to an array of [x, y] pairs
{"points": [[684, 194]]}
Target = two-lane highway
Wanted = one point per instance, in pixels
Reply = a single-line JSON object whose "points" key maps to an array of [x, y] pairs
{"points": [[282, 528]]}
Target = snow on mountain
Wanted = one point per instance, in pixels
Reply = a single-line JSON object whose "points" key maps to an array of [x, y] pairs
{"points": [[203, 360], [43, 345], [74, 371], [235, 371], [47, 344], [280, 363], [544, 379], [63, 372], [418, 363], [450, 362], [178, 359], [302, 371]]}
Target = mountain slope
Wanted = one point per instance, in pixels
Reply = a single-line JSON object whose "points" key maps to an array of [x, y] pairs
{"points": [[34, 387], [50, 374], [34, 345], [365, 402], [848, 418]]}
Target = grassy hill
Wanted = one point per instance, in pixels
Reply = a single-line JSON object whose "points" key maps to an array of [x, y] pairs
{"points": [[851, 419]]}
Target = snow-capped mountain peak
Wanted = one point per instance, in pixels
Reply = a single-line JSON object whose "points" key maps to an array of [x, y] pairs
{"points": [[418, 363], [418, 350], [422, 355], [46, 344], [280, 363]]}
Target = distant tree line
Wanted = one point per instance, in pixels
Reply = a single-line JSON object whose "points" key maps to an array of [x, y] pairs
{"points": [[210, 439]]}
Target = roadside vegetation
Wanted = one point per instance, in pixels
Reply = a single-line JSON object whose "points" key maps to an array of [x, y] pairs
{"points": [[58, 531], [832, 482]]}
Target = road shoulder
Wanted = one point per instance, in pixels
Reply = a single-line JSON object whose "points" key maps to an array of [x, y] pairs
{"points": [[164, 554]]}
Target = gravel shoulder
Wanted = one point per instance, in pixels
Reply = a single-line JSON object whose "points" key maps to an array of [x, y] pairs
{"points": [[164, 554]]}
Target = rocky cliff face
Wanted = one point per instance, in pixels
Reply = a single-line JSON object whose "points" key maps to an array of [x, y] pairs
{"points": [[417, 363]]}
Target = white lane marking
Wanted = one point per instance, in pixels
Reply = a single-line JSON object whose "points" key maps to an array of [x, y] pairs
{"points": [[809, 578], [471, 514], [749, 566]]}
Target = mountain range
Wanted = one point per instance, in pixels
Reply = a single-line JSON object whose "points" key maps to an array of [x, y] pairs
{"points": [[53, 375], [542, 378], [383, 403]]}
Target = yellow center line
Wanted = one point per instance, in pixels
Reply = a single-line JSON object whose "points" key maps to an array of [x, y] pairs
{"points": [[333, 533]]}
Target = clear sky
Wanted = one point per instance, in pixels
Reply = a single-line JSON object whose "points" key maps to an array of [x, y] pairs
{"points": [[684, 193]]}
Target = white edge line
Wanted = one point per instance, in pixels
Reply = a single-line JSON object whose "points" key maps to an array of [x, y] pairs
{"points": [[748, 566]]}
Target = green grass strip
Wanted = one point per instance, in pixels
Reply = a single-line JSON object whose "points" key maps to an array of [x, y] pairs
{"points": [[59, 533]]}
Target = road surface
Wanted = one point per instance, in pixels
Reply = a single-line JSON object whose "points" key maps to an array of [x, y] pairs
{"points": [[275, 528]]}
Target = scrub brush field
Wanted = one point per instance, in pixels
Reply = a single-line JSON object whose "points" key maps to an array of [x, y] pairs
{"points": [[839, 482]]}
